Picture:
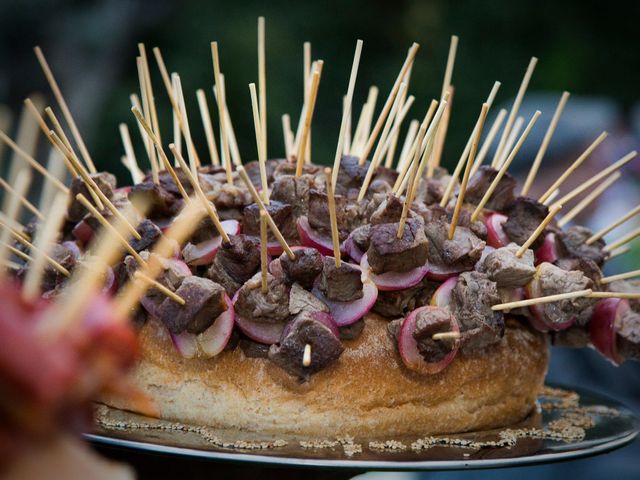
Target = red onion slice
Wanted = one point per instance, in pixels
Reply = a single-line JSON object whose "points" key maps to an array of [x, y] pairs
{"points": [[266, 333], [346, 313], [215, 338], [496, 236], [538, 319], [126, 189], [547, 252], [324, 318], [310, 238], [110, 286], [602, 327], [352, 250], [73, 247], [186, 343], [442, 296], [390, 281], [82, 232], [203, 253], [408, 346], [440, 273]]}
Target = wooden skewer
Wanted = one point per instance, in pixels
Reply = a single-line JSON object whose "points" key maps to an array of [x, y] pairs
{"points": [[347, 110], [629, 295], [288, 136], [446, 336], [310, 106], [135, 102], [36, 113], [306, 77], [58, 128], [208, 127], [18, 253], [57, 168], [9, 265], [364, 121], [513, 114], [573, 166], [467, 170], [194, 163], [540, 300], [306, 356], [208, 206], [441, 136], [411, 55], [264, 262], [23, 180], [504, 167], [163, 156], [149, 89], [262, 82], [533, 171], [553, 211], [105, 223], [613, 225], [620, 276], [65, 110], [16, 226], [625, 239], [596, 178], [176, 118], [272, 225], [30, 206], [392, 137], [164, 73], [333, 218], [146, 110], [44, 239], [226, 160], [132, 163], [451, 60], [406, 146], [233, 143], [493, 131], [586, 201], [157, 285], [32, 162], [377, 156], [511, 139], [346, 113], [260, 144], [620, 251]]}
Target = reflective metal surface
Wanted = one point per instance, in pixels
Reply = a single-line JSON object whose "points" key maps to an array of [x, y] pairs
{"points": [[610, 426]]}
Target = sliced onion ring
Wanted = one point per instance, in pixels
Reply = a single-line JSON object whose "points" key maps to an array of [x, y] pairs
{"points": [[408, 346], [547, 252], [390, 281], [496, 236], [350, 248], [538, 319], [203, 253], [602, 327], [440, 273], [186, 343], [267, 333], [310, 238], [215, 338], [442, 296]]}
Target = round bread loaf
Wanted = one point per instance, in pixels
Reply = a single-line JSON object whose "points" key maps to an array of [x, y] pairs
{"points": [[367, 392]]}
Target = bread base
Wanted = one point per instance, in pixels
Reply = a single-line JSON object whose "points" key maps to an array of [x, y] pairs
{"points": [[367, 392]]}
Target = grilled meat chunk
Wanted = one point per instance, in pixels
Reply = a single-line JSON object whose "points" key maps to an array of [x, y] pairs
{"points": [[398, 303], [627, 286], [270, 307], [235, 262], [472, 298], [503, 195], [389, 211], [582, 264], [305, 330], [353, 331], [253, 349], [304, 269], [572, 243], [351, 175], [302, 300], [523, 217], [388, 253], [463, 251], [294, 191], [162, 203], [149, 232], [627, 327], [105, 181], [204, 302], [282, 215], [506, 269], [429, 322], [340, 284]]}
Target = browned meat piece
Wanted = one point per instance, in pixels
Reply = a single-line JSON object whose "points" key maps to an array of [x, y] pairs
{"points": [[478, 227], [341, 284], [463, 251], [360, 237], [551, 280], [393, 327], [235, 262], [162, 204], [388, 253], [503, 195], [429, 322], [523, 217], [204, 302], [253, 349], [584, 265], [353, 331], [571, 243], [304, 329], [229, 197], [289, 168], [167, 182], [52, 279], [270, 307], [302, 300], [350, 175], [503, 267], [149, 232], [398, 303], [253, 170], [385, 175], [319, 211], [389, 211], [431, 190], [472, 298], [106, 183], [282, 215], [293, 191], [627, 327], [304, 269], [627, 286]]}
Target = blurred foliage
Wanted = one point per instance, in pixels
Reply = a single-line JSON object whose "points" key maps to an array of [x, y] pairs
{"points": [[585, 47]]}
